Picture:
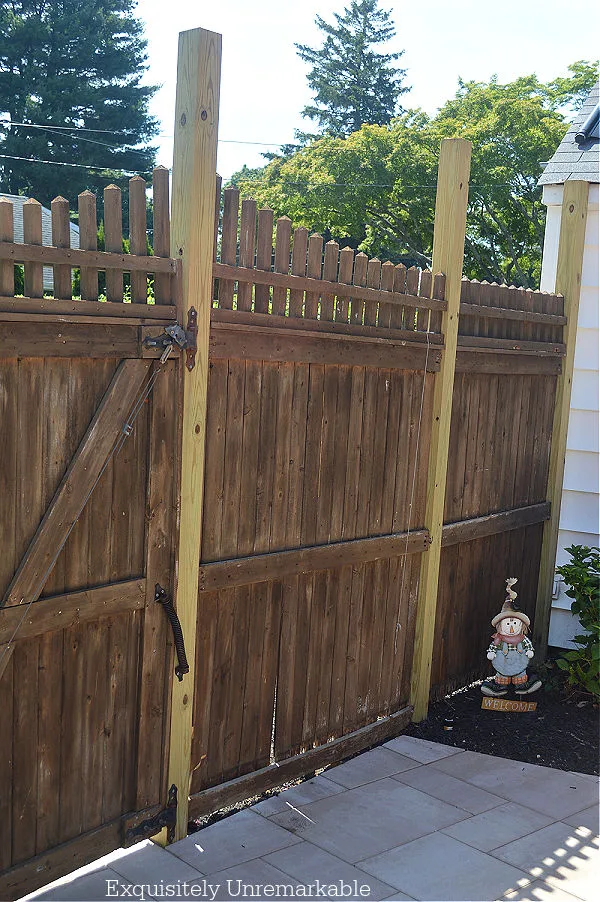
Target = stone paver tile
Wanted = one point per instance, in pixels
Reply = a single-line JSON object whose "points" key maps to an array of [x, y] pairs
{"points": [[233, 840], [370, 766], [89, 888], [308, 863], [438, 867], [150, 863], [553, 792], [449, 789], [487, 771], [498, 826], [421, 750], [538, 891], [589, 818], [369, 819], [556, 852], [309, 791], [247, 880]]}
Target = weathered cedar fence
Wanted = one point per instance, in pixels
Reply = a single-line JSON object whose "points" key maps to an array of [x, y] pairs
{"points": [[334, 495]]}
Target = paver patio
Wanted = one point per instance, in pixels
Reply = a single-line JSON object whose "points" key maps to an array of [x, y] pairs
{"points": [[410, 820]]}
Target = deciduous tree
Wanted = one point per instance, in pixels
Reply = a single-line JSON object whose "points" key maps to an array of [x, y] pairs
{"points": [[375, 189]]}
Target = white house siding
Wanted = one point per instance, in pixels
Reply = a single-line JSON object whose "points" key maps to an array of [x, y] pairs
{"points": [[579, 515]]}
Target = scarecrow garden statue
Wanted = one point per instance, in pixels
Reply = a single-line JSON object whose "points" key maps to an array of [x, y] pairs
{"points": [[510, 651]]}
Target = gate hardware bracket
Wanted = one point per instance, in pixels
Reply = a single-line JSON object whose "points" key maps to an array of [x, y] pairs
{"points": [[167, 602], [153, 825], [175, 336]]}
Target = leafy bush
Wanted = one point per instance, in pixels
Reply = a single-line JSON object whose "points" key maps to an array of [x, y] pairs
{"points": [[582, 576]]}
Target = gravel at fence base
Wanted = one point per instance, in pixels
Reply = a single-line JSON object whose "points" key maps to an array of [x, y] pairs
{"points": [[558, 734]]}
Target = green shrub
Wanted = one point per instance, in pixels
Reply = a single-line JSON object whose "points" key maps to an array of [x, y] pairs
{"points": [[582, 576]]}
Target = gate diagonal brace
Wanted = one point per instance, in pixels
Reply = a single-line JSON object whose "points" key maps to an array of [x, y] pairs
{"points": [[175, 336]]}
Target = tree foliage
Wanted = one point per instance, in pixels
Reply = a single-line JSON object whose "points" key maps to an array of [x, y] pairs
{"points": [[352, 82], [64, 65], [375, 189]]}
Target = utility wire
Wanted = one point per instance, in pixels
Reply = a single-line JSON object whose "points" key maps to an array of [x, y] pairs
{"points": [[5, 156]]}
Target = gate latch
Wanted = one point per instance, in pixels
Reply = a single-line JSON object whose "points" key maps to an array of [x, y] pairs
{"points": [[175, 336], [153, 825]]}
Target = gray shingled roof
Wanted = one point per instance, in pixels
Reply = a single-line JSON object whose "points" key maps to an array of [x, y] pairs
{"points": [[572, 161], [17, 201]]}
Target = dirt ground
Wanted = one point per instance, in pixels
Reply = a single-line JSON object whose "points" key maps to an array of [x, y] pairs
{"points": [[563, 732]]}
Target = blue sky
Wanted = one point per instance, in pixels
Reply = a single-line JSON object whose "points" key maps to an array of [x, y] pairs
{"points": [[263, 83]]}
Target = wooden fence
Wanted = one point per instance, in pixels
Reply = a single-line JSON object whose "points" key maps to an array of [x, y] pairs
{"points": [[334, 494]]}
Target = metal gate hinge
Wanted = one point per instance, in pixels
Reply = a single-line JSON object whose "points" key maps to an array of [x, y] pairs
{"points": [[176, 337], [153, 825]]}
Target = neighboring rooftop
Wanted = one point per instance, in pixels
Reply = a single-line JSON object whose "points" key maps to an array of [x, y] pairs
{"points": [[17, 201], [578, 154]]}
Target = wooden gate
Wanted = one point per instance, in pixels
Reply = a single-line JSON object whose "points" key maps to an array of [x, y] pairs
{"points": [[87, 527]]}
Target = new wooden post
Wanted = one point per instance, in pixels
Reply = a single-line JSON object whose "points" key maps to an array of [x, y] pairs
{"points": [[568, 283], [448, 250], [192, 238]]}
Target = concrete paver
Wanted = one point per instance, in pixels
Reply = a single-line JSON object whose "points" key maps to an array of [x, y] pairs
{"points": [[438, 867], [498, 826], [449, 789], [370, 819], [370, 766], [411, 820]]}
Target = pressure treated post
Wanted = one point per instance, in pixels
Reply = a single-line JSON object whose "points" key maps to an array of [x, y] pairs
{"points": [[192, 236], [568, 283], [448, 250]]}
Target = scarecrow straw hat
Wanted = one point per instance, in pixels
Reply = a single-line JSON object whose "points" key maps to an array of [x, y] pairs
{"points": [[508, 609]]}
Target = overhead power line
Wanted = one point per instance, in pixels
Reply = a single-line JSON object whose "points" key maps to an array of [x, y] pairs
{"points": [[5, 156]]}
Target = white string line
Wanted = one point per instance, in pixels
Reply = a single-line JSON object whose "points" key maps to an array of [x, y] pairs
{"points": [[412, 492], [119, 442]]}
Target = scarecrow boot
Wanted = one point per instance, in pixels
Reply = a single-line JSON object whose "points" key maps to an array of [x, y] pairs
{"points": [[491, 687], [531, 685]]}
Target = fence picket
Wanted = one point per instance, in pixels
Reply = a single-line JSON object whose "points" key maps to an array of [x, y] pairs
{"points": [[137, 236], [7, 269], [299, 253], [373, 281], [357, 306], [330, 274], [113, 239], [344, 278], [313, 271], [387, 284], [412, 287], [88, 240], [424, 292], [247, 242], [161, 234], [264, 253], [282, 262], [229, 237], [439, 289], [32, 234], [61, 237], [399, 287]]}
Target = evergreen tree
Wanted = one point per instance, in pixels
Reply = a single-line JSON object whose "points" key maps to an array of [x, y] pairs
{"points": [[352, 83], [67, 65]]}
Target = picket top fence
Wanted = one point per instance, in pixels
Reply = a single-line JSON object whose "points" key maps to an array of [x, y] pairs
{"points": [[149, 281], [262, 266]]}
